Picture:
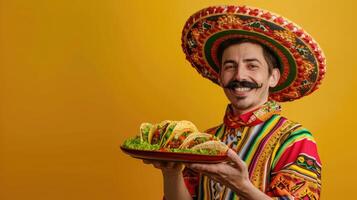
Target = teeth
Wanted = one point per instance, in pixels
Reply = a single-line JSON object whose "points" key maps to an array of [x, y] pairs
{"points": [[242, 89]]}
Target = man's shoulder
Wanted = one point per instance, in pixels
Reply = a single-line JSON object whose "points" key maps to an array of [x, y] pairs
{"points": [[290, 127]]}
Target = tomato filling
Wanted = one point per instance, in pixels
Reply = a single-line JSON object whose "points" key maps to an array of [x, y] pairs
{"points": [[156, 138], [176, 142], [198, 140]]}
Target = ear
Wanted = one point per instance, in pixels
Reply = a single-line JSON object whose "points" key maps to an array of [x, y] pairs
{"points": [[274, 77]]}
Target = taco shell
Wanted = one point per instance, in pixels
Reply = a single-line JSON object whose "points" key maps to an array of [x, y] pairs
{"points": [[212, 145], [169, 131], [183, 127], [186, 143], [160, 128], [144, 131]]}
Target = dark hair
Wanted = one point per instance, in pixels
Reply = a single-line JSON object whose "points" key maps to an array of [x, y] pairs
{"points": [[269, 56]]}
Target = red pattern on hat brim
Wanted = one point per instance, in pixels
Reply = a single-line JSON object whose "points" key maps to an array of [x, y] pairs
{"points": [[302, 60]]}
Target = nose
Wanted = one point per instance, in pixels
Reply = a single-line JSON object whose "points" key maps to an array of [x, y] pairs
{"points": [[240, 73]]}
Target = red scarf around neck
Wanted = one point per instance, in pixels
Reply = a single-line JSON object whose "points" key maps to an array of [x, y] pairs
{"points": [[251, 118]]}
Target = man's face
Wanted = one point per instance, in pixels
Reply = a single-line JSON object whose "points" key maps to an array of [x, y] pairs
{"points": [[245, 77]]}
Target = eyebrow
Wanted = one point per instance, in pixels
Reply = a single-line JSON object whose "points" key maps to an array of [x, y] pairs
{"points": [[229, 62], [245, 60], [251, 60]]}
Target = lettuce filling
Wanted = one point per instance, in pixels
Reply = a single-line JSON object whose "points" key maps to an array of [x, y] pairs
{"points": [[137, 144]]}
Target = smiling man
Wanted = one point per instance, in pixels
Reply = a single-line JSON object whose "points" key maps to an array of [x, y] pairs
{"points": [[246, 74], [258, 58]]}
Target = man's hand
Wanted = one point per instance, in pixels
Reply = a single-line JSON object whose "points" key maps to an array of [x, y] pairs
{"points": [[233, 174]]}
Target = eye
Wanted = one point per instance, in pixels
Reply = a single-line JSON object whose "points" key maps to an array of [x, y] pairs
{"points": [[228, 66], [253, 67]]}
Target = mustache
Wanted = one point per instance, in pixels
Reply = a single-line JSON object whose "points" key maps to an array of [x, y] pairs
{"points": [[233, 84]]}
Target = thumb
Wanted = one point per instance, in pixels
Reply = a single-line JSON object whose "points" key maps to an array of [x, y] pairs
{"points": [[233, 156]]}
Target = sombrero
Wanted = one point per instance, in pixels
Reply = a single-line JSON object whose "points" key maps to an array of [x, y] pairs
{"points": [[302, 62]]}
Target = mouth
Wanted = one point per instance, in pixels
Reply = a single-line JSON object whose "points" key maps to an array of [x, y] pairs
{"points": [[240, 91]]}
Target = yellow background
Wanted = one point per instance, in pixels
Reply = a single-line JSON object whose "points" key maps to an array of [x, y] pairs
{"points": [[78, 77]]}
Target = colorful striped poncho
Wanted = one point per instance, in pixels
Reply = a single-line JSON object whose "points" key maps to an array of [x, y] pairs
{"points": [[281, 156]]}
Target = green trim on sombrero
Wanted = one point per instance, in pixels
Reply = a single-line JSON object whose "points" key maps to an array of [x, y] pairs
{"points": [[303, 64], [292, 72]]}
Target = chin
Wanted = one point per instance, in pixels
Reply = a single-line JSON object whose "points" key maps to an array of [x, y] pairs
{"points": [[246, 104], [242, 103]]}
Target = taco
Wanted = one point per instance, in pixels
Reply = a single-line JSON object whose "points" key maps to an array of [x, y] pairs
{"points": [[144, 131], [175, 136], [157, 132], [212, 145], [168, 132], [179, 133], [195, 139]]}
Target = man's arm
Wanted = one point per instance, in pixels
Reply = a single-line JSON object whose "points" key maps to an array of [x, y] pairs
{"points": [[174, 185], [296, 171], [233, 175], [296, 167]]}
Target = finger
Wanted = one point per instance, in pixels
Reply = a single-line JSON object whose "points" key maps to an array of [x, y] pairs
{"points": [[207, 168], [194, 166], [188, 165], [181, 166], [177, 165], [233, 156], [171, 165], [159, 164]]}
